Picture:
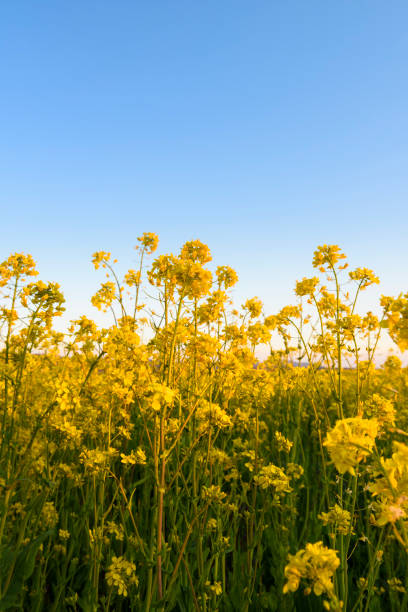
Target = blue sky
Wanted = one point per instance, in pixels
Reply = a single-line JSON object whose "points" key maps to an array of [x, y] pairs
{"points": [[263, 128]]}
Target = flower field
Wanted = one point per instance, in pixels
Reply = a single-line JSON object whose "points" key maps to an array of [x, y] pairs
{"points": [[159, 463]]}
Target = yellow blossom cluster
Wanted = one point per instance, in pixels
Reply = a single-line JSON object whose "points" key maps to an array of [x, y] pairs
{"points": [[350, 442], [391, 486], [381, 409], [315, 565], [283, 443], [136, 457], [273, 476], [337, 517], [121, 575]]}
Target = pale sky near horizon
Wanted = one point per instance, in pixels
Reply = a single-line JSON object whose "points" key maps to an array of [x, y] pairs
{"points": [[262, 128]]}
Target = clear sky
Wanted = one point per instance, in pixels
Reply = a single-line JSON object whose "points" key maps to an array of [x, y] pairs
{"points": [[264, 128]]}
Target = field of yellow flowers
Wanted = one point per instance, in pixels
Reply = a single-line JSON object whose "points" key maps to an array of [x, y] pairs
{"points": [[182, 473]]}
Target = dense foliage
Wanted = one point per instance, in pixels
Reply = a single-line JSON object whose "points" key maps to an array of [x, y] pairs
{"points": [[181, 472]]}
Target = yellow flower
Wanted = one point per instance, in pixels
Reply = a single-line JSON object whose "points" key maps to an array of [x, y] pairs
{"points": [[136, 457], [212, 524], [213, 308], [213, 494], [306, 286], [391, 485], [327, 255], [396, 318], [194, 279], [283, 443], [254, 307], [289, 312], [149, 242], [339, 518], [196, 251], [316, 565], [17, 265], [396, 585], [351, 441], [381, 409], [273, 476], [364, 276], [100, 257], [121, 574], [49, 515], [132, 278], [212, 415], [215, 588], [161, 396], [104, 297], [258, 334], [226, 276]]}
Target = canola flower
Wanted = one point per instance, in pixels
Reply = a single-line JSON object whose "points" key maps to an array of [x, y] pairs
{"points": [[381, 409], [283, 443], [391, 486], [350, 442], [273, 476], [314, 565], [337, 517], [121, 575]]}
